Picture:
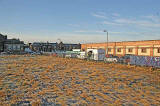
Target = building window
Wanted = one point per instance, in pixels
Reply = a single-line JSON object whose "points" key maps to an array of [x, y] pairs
{"points": [[109, 49], [130, 50], [143, 50], [158, 50], [119, 50]]}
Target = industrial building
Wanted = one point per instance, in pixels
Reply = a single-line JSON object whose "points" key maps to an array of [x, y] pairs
{"points": [[8, 45], [13, 45], [51, 47], [138, 48]]}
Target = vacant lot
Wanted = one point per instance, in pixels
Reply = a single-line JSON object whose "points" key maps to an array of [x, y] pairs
{"points": [[47, 80]]}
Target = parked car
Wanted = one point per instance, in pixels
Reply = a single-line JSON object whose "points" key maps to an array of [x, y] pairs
{"points": [[124, 59], [35, 53], [72, 55], [109, 55], [3, 53], [68, 55], [114, 59]]}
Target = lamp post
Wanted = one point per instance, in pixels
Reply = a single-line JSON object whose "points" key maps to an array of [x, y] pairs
{"points": [[107, 41]]}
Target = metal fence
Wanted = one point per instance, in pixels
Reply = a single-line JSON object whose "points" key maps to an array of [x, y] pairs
{"points": [[134, 60], [145, 61]]}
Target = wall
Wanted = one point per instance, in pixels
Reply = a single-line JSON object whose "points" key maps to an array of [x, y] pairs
{"points": [[155, 51], [119, 53], [112, 50], [133, 50], [147, 50]]}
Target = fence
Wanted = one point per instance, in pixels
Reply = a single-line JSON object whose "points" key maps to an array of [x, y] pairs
{"points": [[145, 61], [134, 60]]}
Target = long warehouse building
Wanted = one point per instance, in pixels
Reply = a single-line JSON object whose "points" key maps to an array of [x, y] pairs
{"points": [[141, 48]]}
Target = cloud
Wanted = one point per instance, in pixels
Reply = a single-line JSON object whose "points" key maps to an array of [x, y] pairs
{"points": [[99, 15], [88, 31], [115, 14], [140, 23], [116, 19], [81, 31], [153, 18], [110, 32], [126, 33], [74, 25], [111, 23], [104, 15]]}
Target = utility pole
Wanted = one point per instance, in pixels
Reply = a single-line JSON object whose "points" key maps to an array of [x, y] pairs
{"points": [[107, 41]]}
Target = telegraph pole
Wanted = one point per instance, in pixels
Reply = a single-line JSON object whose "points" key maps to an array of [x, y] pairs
{"points": [[107, 41]]}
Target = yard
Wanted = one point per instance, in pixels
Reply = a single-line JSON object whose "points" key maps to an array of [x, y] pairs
{"points": [[48, 80]]}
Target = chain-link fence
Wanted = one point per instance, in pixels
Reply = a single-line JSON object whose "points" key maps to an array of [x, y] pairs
{"points": [[145, 61]]}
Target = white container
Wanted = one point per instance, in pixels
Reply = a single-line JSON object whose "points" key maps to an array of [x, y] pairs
{"points": [[76, 50], [97, 54]]}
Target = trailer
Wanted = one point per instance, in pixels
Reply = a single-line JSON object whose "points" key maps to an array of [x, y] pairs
{"points": [[96, 54]]}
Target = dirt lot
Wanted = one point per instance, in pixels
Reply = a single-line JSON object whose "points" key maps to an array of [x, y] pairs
{"points": [[47, 80]]}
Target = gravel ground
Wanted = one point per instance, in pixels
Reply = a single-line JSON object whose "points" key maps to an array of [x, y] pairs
{"points": [[53, 81]]}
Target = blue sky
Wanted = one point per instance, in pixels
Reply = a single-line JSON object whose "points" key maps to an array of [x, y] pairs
{"points": [[83, 21]]}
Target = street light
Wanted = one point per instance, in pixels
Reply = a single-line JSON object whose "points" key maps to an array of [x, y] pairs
{"points": [[107, 41]]}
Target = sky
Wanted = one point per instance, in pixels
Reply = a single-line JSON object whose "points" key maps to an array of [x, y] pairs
{"points": [[80, 21]]}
